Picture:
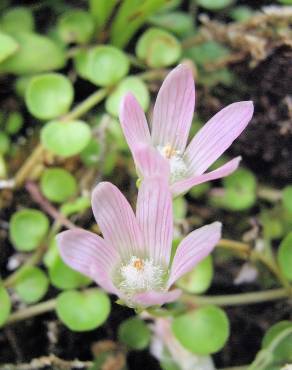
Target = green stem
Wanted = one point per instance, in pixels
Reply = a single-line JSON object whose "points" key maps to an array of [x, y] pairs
{"points": [[32, 311], [269, 194], [236, 299]]}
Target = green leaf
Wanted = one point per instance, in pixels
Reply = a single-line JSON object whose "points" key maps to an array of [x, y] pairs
{"points": [[17, 19], [101, 10], [27, 228], [79, 205], [5, 305], [14, 123], [102, 65], [134, 333], [76, 25], [49, 95], [287, 198], [158, 48], [36, 54], [57, 184], [65, 138], [4, 143], [199, 279], [285, 256], [214, 4], [202, 331], [8, 46], [83, 311], [239, 191], [241, 13], [207, 52], [179, 23], [90, 154], [282, 352], [131, 16], [179, 208], [32, 285], [130, 84]]}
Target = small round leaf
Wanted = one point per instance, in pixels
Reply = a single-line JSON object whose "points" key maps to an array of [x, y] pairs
{"points": [[199, 279], [8, 46], [158, 48], [16, 19], [287, 198], [214, 4], [90, 154], [5, 305], [65, 139], [14, 123], [4, 143], [283, 352], [130, 84], [134, 333], [102, 65], [76, 25], [27, 228], [285, 256], [83, 311], [58, 185], [37, 54], [49, 95], [32, 285], [202, 331]]}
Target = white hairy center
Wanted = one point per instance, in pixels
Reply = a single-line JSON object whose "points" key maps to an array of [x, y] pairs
{"points": [[140, 275], [178, 167]]}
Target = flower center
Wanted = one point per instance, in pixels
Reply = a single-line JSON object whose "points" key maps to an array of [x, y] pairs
{"points": [[140, 275], [178, 167]]}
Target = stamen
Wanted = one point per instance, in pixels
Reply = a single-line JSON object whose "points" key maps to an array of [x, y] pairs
{"points": [[178, 167]]}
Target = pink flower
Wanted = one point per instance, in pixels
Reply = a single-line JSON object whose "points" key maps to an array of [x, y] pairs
{"points": [[172, 118], [132, 260]]}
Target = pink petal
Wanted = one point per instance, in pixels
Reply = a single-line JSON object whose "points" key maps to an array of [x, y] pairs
{"points": [[134, 123], [217, 135], [150, 162], [225, 170], [174, 109], [156, 298], [192, 249], [89, 254], [154, 215], [116, 220]]}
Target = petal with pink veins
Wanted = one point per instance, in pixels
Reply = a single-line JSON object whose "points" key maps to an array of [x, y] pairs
{"points": [[134, 123], [225, 170], [88, 253], [151, 163], [217, 135], [192, 249], [154, 215], [148, 299], [116, 220], [174, 109]]}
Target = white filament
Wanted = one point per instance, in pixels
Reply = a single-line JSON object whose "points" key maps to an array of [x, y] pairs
{"points": [[178, 167]]}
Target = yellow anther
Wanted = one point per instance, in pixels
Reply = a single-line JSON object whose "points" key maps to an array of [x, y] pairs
{"points": [[138, 264], [169, 151]]}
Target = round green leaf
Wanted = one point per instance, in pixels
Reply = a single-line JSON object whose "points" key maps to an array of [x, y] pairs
{"points": [[179, 23], [283, 352], [241, 13], [285, 256], [5, 305], [83, 311], [32, 285], [65, 139], [214, 4], [49, 95], [202, 331], [158, 48], [37, 54], [58, 184], [27, 228], [287, 198], [4, 143], [90, 154], [207, 52], [17, 19], [14, 123], [199, 279], [8, 46], [76, 26], [102, 65], [134, 333], [78, 205], [130, 84]]}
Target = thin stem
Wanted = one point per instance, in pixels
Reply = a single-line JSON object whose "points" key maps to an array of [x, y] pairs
{"points": [[32, 311], [236, 299], [269, 194], [234, 245]]}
